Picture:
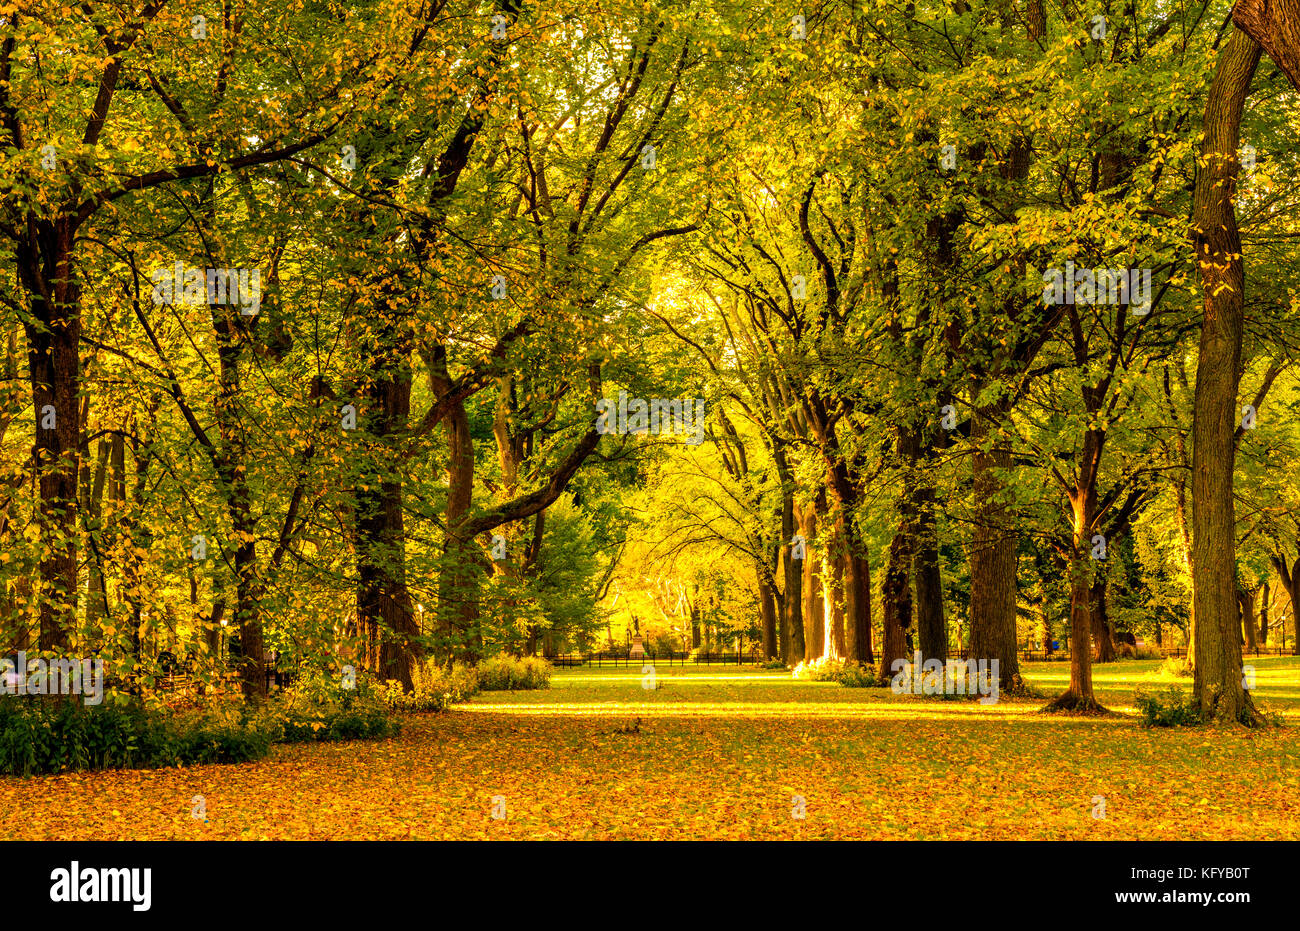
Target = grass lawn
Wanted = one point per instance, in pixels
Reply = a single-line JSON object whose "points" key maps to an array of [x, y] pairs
{"points": [[719, 753]]}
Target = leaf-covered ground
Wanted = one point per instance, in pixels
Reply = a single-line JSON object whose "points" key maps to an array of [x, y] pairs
{"points": [[719, 753]]}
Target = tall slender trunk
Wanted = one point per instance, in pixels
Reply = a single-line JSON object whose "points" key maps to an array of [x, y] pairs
{"points": [[992, 556], [385, 612], [813, 604], [927, 580], [767, 611], [832, 642], [1217, 677], [1264, 597], [1103, 637], [48, 275], [1083, 577], [792, 647], [1248, 620], [896, 601], [1185, 540], [460, 574]]}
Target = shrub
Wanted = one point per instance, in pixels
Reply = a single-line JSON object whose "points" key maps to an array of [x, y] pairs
{"points": [[1175, 667], [1165, 708], [773, 664], [505, 673], [1146, 652], [435, 688], [43, 736], [818, 670], [319, 707], [857, 676], [846, 672]]}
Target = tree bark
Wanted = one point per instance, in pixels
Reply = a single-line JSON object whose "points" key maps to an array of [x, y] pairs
{"points": [[460, 574], [767, 611], [814, 608], [896, 601], [1264, 593], [384, 609], [49, 277], [1102, 635], [992, 558], [1217, 677], [792, 646], [1275, 25], [1248, 620]]}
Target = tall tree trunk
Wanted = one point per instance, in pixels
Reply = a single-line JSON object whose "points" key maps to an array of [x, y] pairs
{"points": [[1083, 502], [384, 609], [927, 581], [1264, 597], [1103, 637], [695, 619], [857, 570], [832, 627], [896, 601], [48, 275], [792, 647], [814, 608], [1248, 620], [767, 611], [460, 575], [992, 556], [97, 539], [1217, 677], [1185, 538]]}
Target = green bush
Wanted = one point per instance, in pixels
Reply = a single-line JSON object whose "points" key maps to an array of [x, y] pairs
{"points": [[435, 688], [1169, 707], [505, 673], [1175, 667], [320, 707], [857, 676], [773, 664], [45, 736], [848, 673], [39, 735]]}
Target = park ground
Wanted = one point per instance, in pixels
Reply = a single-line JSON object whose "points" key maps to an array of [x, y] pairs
{"points": [[720, 753]]}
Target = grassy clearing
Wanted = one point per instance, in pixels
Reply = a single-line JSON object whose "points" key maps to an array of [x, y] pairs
{"points": [[718, 754]]}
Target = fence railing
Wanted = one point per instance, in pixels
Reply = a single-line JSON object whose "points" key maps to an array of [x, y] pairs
{"points": [[625, 658]]}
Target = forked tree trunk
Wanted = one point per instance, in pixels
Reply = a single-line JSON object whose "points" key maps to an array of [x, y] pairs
{"points": [[1275, 25]]}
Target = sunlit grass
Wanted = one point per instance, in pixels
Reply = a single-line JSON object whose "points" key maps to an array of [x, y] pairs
{"points": [[715, 691]]}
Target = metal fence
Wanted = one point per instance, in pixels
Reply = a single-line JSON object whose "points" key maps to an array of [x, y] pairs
{"points": [[624, 658]]}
